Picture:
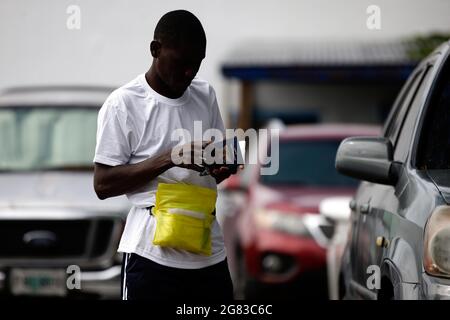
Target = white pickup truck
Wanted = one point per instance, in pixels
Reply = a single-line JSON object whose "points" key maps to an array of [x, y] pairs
{"points": [[56, 237]]}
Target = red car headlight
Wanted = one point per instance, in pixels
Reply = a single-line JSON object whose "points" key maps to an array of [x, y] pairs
{"points": [[281, 221], [308, 225]]}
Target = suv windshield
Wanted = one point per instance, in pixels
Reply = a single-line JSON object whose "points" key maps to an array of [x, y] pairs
{"points": [[308, 163], [33, 138]]}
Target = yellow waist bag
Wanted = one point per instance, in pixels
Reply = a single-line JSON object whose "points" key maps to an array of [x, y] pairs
{"points": [[184, 216]]}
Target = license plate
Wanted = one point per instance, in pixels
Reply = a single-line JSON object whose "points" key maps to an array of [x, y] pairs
{"points": [[38, 282]]}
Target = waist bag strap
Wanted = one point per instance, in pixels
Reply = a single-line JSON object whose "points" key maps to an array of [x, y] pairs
{"points": [[151, 213]]}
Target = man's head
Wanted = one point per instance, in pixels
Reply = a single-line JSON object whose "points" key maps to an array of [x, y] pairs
{"points": [[178, 49]]}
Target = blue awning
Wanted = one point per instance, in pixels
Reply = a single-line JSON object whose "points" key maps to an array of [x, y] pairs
{"points": [[322, 62]]}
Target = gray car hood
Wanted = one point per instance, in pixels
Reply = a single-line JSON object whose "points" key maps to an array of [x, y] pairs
{"points": [[54, 189], [441, 179]]}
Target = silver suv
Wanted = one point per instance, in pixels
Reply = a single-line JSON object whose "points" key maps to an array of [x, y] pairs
{"points": [[56, 237], [399, 244]]}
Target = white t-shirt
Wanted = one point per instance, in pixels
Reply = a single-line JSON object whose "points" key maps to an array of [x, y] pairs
{"points": [[136, 123]]}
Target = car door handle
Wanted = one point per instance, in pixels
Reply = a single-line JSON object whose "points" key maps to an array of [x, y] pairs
{"points": [[364, 208], [382, 242]]}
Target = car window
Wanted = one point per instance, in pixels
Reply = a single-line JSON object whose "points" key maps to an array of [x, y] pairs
{"points": [[407, 127], [310, 164], [47, 138], [398, 103], [434, 151], [398, 118]]}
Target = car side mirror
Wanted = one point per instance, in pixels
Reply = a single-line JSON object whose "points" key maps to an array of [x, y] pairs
{"points": [[367, 158]]}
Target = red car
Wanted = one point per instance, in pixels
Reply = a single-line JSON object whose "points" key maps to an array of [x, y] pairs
{"points": [[276, 240]]}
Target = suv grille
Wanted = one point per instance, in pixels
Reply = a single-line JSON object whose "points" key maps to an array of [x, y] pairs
{"points": [[55, 238]]}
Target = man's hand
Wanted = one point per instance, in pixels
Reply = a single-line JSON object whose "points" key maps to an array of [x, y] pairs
{"points": [[189, 155], [220, 173], [223, 172]]}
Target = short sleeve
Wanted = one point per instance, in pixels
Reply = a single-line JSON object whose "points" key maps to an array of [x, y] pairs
{"points": [[216, 118], [113, 144]]}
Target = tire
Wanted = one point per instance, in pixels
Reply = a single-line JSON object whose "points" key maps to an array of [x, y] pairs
{"points": [[387, 290]]}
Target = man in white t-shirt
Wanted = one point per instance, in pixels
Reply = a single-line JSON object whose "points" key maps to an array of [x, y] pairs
{"points": [[133, 155]]}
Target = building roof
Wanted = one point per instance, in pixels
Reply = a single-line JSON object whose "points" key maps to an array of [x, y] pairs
{"points": [[321, 61], [322, 53]]}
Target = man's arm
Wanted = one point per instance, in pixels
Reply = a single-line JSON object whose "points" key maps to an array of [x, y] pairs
{"points": [[112, 181], [115, 181]]}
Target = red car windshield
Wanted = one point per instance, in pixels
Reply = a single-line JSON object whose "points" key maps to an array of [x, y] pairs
{"points": [[308, 163]]}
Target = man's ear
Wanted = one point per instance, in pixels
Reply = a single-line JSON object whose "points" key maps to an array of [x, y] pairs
{"points": [[155, 48]]}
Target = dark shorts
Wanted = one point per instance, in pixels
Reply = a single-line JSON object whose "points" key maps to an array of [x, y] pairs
{"points": [[145, 279]]}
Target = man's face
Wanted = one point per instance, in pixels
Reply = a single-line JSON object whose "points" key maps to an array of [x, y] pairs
{"points": [[177, 66]]}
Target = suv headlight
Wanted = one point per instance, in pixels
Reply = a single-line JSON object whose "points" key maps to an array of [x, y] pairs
{"points": [[437, 243]]}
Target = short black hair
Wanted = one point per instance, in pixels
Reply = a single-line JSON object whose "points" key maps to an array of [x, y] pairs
{"points": [[180, 27]]}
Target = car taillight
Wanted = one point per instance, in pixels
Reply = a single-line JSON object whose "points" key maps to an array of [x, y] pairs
{"points": [[437, 243]]}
